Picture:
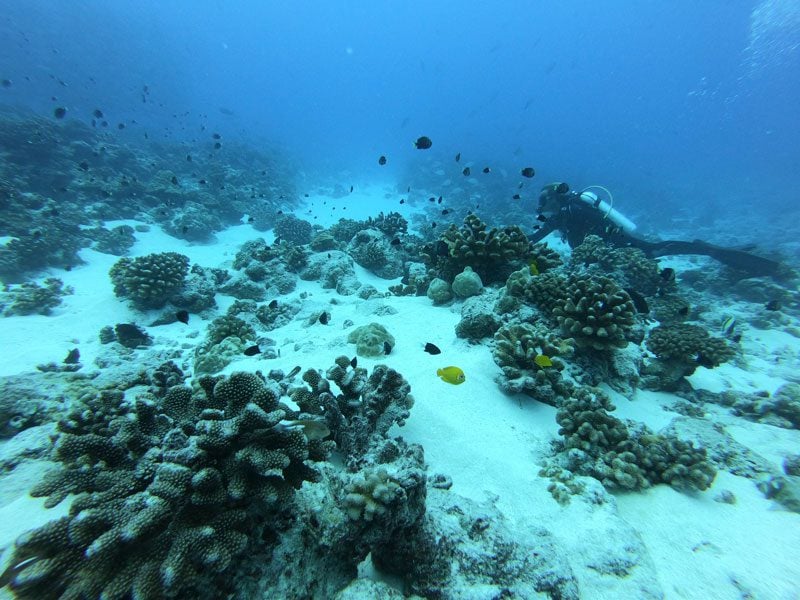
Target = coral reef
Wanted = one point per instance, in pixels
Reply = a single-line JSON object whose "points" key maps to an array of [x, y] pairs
{"points": [[597, 314], [599, 445], [467, 284], [439, 291], [390, 225], [370, 339], [516, 347], [167, 493], [30, 298], [478, 319], [679, 349], [492, 254], [149, 281], [344, 229], [364, 408], [293, 230], [334, 270], [117, 241], [630, 267], [371, 249]]}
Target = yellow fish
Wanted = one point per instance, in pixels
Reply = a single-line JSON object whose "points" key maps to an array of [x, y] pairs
{"points": [[533, 267], [543, 360], [452, 375]]}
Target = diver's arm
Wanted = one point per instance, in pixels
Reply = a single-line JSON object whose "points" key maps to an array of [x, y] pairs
{"points": [[538, 235]]}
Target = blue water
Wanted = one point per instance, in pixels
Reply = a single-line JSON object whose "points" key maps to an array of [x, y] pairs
{"points": [[669, 104]]}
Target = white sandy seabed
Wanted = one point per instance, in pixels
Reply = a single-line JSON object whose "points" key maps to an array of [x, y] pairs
{"points": [[489, 443]]}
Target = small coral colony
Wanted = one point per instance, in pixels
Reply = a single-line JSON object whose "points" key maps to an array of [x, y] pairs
{"points": [[180, 477]]}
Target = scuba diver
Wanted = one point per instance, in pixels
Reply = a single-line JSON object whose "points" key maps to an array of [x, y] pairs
{"points": [[578, 214]]}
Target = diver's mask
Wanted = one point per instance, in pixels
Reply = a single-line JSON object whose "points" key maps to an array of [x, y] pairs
{"points": [[552, 197]]}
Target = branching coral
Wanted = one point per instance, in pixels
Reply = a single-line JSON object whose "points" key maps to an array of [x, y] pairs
{"points": [[601, 446], [167, 494], [596, 313], [149, 281], [516, 347], [364, 407], [679, 350], [492, 254], [31, 298]]}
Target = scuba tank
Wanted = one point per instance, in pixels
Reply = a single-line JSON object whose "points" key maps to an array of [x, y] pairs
{"points": [[607, 208]]}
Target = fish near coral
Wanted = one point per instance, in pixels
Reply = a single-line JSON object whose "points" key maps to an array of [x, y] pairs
{"points": [[543, 361], [452, 375]]}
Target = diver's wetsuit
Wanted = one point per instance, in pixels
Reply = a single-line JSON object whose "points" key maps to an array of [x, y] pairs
{"points": [[576, 219]]}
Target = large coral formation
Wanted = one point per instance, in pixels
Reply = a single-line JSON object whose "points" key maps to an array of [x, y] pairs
{"points": [[492, 254], [679, 349], [516, 347], [293, 230], [363, 409], [390, 225], [601, 446], [149, 281], [597, 313], [167, 493]]}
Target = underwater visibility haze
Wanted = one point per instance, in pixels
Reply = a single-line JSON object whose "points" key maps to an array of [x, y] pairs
{"points": [[459, 300]]}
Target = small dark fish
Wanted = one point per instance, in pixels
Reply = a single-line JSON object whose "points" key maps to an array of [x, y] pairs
{"points": [[185, 228], [188, 158], [487, 170], [6, 83], [97, 113], [402, 201], [423, 143], [174, 180], [217, 146], [73, 357], [408, 189], [278, 240], [736, 338], [458, 157], [293, 372], [182, 316], [395, 242], [432, 349], [432, 199], [387, 348], [541, 218], [433, 225], [59, 112], [442, 249], [773, 305], [537, 227], [683, 311], [273, 304], [216, 136], [639, 303], [445, 212], [382, 160], [516, 196], [466, 171], [280, 212], [251, 219], [351, 189], [528, 172], [667, 274], [439, 200], [354, 362], [252, 350], [120, 126], [83, 165], [202, 182], [324, 317]]}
